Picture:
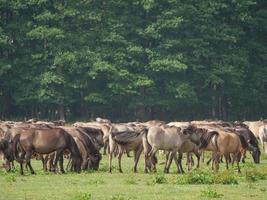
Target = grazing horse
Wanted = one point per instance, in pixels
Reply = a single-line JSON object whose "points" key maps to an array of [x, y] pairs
{"points": [[252, 141], [8, 157], [220, 142], [103, 127], [164, 137], [45, 142], [87, 147]]}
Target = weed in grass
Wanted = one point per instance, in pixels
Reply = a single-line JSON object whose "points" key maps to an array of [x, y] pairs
{"points": [[210, 193], [104, 168], [199, 177], [131, 180], [226, 177], [263, 189], [117, 197], [10, 178], [250, 185], [83, 196], [96, 182], [159, 179], [253, 175]]}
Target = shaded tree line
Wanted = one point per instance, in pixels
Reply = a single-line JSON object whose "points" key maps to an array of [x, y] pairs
{"points": [[133, 59]]}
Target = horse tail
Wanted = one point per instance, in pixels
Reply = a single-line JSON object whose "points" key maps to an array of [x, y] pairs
{"points": [[147, 147], [75, 153], [243, 141], [216, 141], [15, 148], [205, 139]]}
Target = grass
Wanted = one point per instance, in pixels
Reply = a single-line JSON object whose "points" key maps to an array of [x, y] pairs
{"points": [[197, 184]]}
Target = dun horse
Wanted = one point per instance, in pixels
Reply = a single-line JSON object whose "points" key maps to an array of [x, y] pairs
{"points": [[220, 143], [44, 142]]}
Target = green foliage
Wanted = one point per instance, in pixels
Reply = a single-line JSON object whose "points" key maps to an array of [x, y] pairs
{"points": [[208, 177], [83, 196], [131, 180], [211, 193], [131, 60], [226, 177], [10, 178], [253, 175], [159, 179]]}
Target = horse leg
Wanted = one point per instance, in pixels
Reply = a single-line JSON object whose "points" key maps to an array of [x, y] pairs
{"points": [[119, 159], [22, 157], [238, 157], [192, 160], [180, 162], [28, 160], [198, 158], [152, 154], [172, 154], [244, 157], [202, 156], [217, 161], [208, 162], [188, 161], [68, 165], [226, 156], [57, 156], [45, 161], [233, 159], [128, 153], [112, 146], [105, 148], [166, 162], [61, 163], [137, 154], [177, 164]]}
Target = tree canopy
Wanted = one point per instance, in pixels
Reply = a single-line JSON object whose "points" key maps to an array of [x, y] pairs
{"points": [[133, 59]]}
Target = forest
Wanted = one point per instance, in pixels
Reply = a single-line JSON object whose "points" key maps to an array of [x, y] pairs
{"points": [[133, 59]]}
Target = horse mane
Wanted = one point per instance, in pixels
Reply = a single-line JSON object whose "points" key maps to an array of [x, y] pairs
{"points": [[87, 141], [3, 144], [206, 137], [243, 141], [124, 137]]}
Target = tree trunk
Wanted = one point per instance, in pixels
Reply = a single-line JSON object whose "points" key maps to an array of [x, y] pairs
{"points": [[61, 112]]}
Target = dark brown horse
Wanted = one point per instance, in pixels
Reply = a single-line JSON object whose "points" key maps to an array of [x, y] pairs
{"points": [[87, 147], [44, 142]]}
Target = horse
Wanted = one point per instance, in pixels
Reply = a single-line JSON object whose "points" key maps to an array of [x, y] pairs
{"points": [[103, 127], [45, 142], [164, 137], [220, 142], [87, 147], [126, 138]]}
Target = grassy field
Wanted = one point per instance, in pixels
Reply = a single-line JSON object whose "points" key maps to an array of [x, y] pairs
{"points": [[199, 184]]}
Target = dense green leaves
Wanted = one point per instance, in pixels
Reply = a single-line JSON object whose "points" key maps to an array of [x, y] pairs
{"points": [[133, 59]]}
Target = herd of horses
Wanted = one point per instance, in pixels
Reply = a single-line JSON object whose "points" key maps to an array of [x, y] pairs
{"points": [[81, 143]]}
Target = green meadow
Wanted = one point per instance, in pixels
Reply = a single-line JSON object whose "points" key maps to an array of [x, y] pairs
{"points": [[197, 184]]}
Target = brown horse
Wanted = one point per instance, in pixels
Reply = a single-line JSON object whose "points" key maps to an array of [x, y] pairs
{"points": [[44, 142], [220, 142]]}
